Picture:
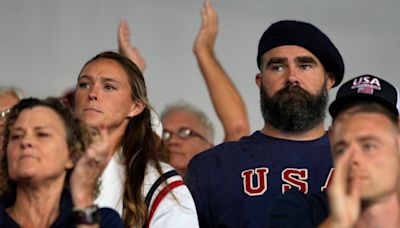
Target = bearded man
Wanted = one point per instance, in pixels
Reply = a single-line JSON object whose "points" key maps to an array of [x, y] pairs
{"points": [[234, 183]]}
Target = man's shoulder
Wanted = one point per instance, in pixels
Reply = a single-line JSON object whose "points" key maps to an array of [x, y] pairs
{"points": [[214, 155], [223, 150]]}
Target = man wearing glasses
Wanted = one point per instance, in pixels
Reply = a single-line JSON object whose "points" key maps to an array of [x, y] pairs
{"points": [[187, 132]]}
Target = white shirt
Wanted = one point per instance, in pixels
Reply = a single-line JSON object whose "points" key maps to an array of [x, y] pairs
{"points": [[171, 212]]}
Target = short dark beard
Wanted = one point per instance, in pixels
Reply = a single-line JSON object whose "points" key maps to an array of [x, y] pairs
{"points": [[293, 109]]}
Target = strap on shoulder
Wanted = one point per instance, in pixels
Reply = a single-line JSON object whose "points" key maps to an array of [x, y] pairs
{"points": [[156, 184], [154, 187]]}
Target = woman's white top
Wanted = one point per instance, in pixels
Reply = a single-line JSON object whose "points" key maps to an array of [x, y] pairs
{"points": [[171, 212]]}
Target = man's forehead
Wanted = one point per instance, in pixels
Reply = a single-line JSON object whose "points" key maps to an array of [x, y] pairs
{"points": [[7, 100], [288, 50], [182, 118], [362, 123]]}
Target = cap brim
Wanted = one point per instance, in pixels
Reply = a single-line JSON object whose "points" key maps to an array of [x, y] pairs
{"points": [[344, 102]]}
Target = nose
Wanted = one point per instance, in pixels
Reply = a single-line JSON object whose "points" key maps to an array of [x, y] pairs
{"points": [[93, 94], [26, 143], [293, 75], [173, 140], [356, 157]]}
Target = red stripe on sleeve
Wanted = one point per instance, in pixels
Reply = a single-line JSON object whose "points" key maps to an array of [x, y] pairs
{"points": [[161, 195]]}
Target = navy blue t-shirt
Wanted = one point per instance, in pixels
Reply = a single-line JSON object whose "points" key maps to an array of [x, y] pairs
{"points": [[234, 183], [109, 217], [295, 209]]}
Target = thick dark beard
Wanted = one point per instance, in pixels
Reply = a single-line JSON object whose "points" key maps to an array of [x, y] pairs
{"points": [[292, 109]]}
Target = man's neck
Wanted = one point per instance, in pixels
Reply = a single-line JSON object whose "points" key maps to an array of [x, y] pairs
{"points": [[385, 213], [315, 133]]}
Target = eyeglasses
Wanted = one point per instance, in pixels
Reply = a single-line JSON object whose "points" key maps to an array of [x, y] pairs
{"points": [[182, 133], [3, 114]]}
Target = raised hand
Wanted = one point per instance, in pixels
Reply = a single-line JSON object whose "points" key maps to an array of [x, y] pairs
{"points": [[125, 47], [344, 196], [207, 34], [225, 97], [88, 169]]}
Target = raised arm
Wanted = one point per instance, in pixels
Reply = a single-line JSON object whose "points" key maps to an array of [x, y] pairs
{"points": [[225, 97], [125, 47]]}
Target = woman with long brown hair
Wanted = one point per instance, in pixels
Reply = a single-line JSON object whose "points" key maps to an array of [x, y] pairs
{"points": [[137, 182]]}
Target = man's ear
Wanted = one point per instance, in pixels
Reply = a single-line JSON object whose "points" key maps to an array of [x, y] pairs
{"points": [[258, 80], [330, 136], [398, 132], [330, 132], [330, 80], [136, 108]]}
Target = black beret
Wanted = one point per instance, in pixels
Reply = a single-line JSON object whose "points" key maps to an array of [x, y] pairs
{"points": [[306, 35]]}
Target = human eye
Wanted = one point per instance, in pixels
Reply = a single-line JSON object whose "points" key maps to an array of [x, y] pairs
{"points": [[305, 66], [185, 132], [110, 87], [42, 134], [15, 136], [166, 135], [306, 62], [277, 68], [339, 149], [83, 85], [368, 146]]}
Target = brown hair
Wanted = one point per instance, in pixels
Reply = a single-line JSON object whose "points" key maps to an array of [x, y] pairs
{"points": [[140, 144], [361, 106], [78, 138]]}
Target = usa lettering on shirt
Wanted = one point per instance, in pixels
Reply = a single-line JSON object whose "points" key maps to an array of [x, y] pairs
{"points": [[255, 181]]}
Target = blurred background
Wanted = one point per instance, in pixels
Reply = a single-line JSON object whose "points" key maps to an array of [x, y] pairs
{"points": [[44, 44]]}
